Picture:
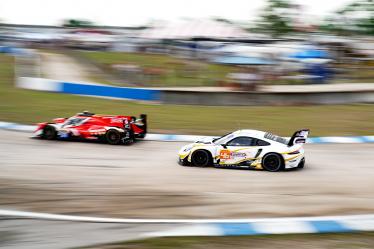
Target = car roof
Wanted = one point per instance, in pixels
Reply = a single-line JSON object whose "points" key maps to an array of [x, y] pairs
{"points": [[258, 134], [250, 133]]}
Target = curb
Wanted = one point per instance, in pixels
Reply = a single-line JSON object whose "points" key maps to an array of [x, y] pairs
{"points": [[343, 224], [225, 227], [193, 138]]}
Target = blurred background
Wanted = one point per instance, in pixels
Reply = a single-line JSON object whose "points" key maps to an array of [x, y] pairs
{"points": [[195, 53], [214, 67], [274, 42]]}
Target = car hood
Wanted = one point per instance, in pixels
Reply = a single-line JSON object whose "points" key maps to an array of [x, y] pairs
{"points": [[205, 140]]}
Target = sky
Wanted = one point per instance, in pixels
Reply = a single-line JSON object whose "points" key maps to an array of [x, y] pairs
{"points": [[141, 12]]}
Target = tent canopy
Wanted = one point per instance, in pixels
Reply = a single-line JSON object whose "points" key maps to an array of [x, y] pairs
{"points": [[195, 28], [310, 53]]}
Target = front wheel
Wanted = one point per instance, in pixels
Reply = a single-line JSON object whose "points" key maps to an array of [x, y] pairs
{"points": [[49, 133], [113, 137], [272, 162], [201, 158]]}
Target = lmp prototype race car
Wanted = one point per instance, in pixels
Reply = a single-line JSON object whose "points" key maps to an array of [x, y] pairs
{"points": [[113, 129], [247, 149]]}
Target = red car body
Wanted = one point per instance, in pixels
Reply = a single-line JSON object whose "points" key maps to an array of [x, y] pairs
{"points": [[113, 129]]}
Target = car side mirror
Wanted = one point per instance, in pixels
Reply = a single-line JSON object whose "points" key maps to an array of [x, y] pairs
{"points": [[224, 146]]}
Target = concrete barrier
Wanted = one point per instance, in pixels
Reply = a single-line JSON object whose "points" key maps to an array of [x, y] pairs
{"points": [[95, 90], [188, 97], [264, 98], [39, 84]]}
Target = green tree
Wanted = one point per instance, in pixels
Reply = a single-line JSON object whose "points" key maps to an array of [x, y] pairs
{"points": [[276, 18], [224, 20], [75, 23], [356, 18]]}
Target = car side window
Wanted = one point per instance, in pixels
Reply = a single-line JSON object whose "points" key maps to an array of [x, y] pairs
{"points": [[260, 142], [241, 141]]}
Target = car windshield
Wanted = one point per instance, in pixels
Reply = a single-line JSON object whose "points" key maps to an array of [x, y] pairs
{"points": [[74, 121], [219, 140], [275, 138]]}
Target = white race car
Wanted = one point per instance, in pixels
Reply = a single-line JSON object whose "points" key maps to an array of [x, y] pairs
{"points": [[247, 149]]}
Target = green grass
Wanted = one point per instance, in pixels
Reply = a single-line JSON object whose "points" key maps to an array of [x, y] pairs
{"points": [[25, 106], [299, 241], [177, 71], [208, 74]]}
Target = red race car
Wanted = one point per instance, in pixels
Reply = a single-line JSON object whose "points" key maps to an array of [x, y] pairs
{"points": [[113, 129]]}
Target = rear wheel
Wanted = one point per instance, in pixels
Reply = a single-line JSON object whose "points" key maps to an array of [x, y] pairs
{"points": [[201, 158], [272, 162], [49, 132], [113, 137]]}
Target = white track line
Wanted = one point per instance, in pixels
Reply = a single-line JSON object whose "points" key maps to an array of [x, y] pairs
{"points": [[62, 217]]}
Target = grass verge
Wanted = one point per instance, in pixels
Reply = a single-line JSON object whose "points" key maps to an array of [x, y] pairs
{"points": [[25, 106]]}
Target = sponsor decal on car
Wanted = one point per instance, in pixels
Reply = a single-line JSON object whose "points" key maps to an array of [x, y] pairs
{"points": [[237, 154], [97, 131], [227, 154]]}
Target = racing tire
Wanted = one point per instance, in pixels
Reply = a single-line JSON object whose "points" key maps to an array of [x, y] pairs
{"points": [[273, 162], [113, 137], [49, 133], [201, 158]]}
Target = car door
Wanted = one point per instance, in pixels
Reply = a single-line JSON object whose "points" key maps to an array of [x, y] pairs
{"points": [[92, 128], [238, 150]]}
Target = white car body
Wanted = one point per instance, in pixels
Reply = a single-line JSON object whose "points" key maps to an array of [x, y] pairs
{"points": [[247, 149]]}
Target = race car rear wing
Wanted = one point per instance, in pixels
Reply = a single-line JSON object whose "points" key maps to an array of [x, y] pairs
{"points": [[299, 137]]}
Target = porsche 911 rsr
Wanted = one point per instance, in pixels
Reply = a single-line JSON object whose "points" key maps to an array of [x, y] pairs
{"points": [[113, 129], [247, 149]]}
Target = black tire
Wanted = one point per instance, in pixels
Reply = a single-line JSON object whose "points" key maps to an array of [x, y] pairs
{"points": [[201, 158], [273, 162], [113, 137], [49, 133]]}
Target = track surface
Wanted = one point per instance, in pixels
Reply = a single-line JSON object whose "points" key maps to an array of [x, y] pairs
{"points": [[144, 180], [42, 234]]}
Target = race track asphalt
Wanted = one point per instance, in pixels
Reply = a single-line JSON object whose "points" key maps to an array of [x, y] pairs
{"points": [[144, 181]]}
